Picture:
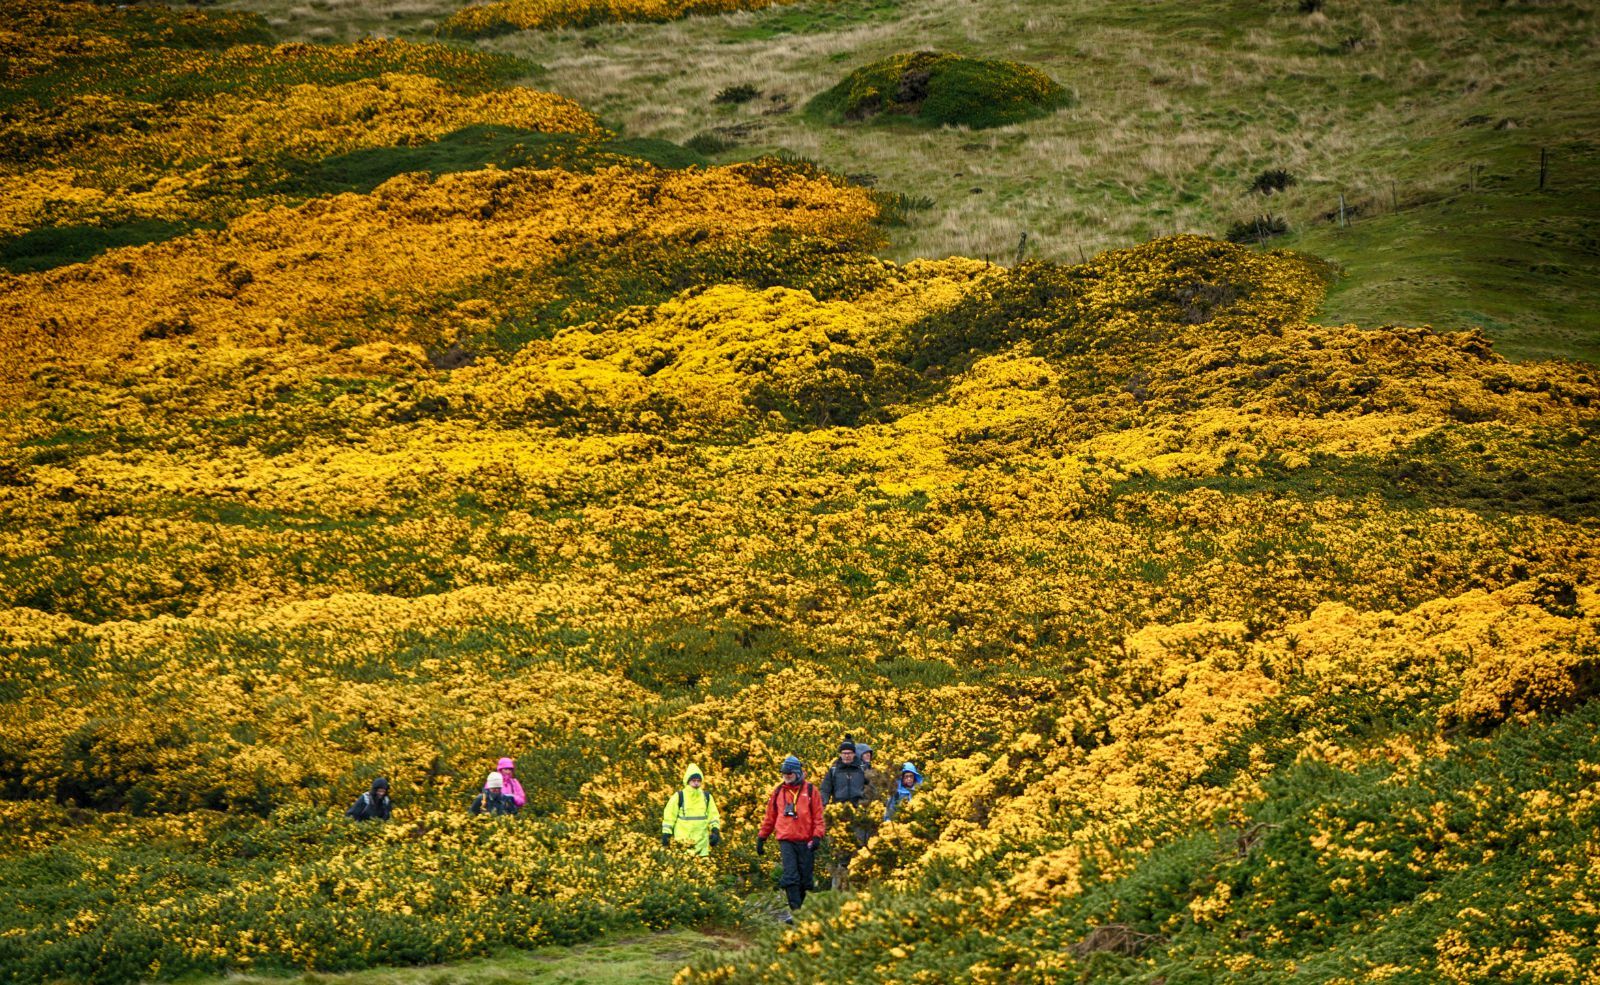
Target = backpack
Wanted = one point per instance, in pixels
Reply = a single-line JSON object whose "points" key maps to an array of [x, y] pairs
{"points": [[708, 806]]}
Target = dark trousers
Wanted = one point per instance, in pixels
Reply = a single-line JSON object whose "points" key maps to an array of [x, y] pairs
{"points": [[797, 861]]}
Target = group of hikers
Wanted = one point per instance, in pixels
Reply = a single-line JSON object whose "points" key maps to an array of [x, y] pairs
{"points": [[795, 810]]}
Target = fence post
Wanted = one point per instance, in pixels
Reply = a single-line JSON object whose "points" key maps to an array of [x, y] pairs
{"points": [[1022, 244], [1342, 222], [1544, 166]]}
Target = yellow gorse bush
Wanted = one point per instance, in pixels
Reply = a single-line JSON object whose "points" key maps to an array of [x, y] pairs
{"points": [[283, 271], [304, 120], [499, 16], [192, 166], [37, 35]]}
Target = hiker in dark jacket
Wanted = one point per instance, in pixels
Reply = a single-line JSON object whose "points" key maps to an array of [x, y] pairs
{"points": [[372, 804], [845, 788], [493, 799], [845, 782]]}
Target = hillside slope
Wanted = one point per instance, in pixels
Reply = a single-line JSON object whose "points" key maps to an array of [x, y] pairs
{"points": [[1429, 116], [1233, 646]]}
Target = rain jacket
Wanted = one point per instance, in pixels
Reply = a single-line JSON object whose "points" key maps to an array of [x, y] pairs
{"points": [[691, 815], [844, 783], [492, 801], [370, 805], [901, 792], [512, 788], [873, 788], [806, 822]]}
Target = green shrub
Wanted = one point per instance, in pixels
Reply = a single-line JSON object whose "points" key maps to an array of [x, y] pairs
{"points": [[1257, 230], [734, 94], [710, 143], [1272, 180], [941, 89]]}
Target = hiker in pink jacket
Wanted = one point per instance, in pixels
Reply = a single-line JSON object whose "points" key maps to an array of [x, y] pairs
{"points": [[510, 787]]}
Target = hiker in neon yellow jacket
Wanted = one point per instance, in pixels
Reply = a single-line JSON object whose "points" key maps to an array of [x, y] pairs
{"points": [[690, 817]]}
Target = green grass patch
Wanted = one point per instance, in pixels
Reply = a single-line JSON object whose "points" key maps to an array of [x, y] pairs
{"points": [[619, 959], [824, 17], [1497, 253], [56, 246]]}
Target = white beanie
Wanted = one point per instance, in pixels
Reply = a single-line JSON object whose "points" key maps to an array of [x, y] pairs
{"points": [[494, 781]]}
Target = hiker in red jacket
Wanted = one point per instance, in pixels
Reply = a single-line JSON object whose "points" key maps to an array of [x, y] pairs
{"points": [[794, 813]]}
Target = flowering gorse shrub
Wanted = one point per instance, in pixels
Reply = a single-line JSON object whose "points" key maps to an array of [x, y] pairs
{"points": [[37, 36], [502, 16], [187, 168]]}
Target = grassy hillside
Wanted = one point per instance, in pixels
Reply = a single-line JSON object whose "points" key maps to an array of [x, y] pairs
{"points": [[1434, 107], [363, 413]]}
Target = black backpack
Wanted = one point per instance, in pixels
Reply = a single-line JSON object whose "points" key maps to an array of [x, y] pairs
{"points": [[708, 803]]}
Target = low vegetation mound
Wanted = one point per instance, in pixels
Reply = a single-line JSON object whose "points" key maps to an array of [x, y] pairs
{"points": [[941, 89], [503, 16]]}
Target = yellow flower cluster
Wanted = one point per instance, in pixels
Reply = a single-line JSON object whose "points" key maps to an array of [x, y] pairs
{"points": [[192, 166], [711, 360], [307, 121], [498, 16], [38, 35], [287, 273]]}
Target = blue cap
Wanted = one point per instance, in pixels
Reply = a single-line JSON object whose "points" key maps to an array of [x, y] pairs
{"points": [[912, 769], [791, 765]]}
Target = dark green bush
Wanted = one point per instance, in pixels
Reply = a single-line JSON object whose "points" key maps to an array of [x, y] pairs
{"points": [[941, 89], [709, 143], [735, 94], [1258, 229], [1272, 180]]}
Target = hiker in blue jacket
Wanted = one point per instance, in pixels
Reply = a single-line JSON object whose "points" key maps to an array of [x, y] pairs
{"points": [[910, 780]]}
